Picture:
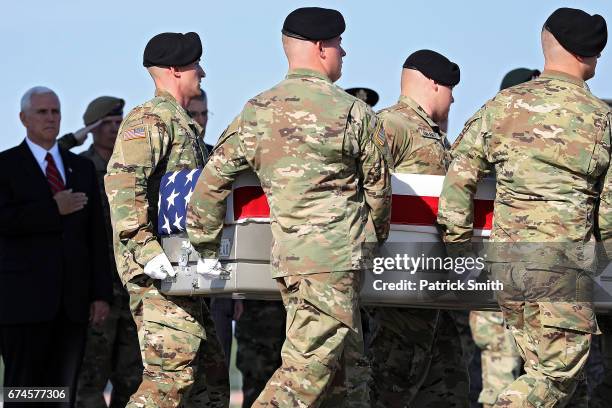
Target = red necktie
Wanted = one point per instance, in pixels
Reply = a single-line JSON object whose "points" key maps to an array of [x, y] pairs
{"points": [[53, 175]]}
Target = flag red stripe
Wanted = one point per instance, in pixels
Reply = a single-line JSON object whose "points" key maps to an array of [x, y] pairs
{"points": [[251, 202]]}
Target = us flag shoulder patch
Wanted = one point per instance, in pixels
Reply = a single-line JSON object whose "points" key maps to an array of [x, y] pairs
{"points": [[134, 133]]}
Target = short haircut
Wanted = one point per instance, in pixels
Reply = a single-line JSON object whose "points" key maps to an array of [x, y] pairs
{"points": [[26, 99]]}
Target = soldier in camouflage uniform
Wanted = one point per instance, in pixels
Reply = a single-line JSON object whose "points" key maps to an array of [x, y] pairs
{"points": [[321, 158], [548, 141], [500, 360], [602, 392], [111, 351], [222, 310], [416, 354], [155, 138]]}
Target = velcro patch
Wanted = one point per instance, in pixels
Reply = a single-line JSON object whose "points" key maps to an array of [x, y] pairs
{"points": [[379, 134], [429, 134], [134, 133]]}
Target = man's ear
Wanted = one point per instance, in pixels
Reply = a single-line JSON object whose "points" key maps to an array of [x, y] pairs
{"points": [[22, 118], [176, 73], [320, 49], [434, 85]]}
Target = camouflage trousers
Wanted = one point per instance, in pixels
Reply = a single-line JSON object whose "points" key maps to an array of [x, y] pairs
{"points": [[260, 333], [323, 363], [417, 359], [184, 365], [500, 361], [553, 328], [111, 353]]}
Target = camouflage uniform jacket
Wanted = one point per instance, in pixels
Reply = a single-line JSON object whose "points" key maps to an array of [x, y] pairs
{"points": [[321, 158], [549, 143], [416, 142], [155, 138]]}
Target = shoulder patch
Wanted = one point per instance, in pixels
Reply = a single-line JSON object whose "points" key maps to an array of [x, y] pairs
{"points": [[430, 134], [133, 133], [379, 133]]}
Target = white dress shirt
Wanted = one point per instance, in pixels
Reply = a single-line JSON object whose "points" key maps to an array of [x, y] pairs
{"points": [[40, 153]]}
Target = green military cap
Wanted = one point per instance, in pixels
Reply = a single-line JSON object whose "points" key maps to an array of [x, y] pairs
{"points": [[518, 76], [367, 95], [102, 107]]}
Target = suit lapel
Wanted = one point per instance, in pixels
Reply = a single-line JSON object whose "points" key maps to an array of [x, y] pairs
{"points": [[32, 169]]}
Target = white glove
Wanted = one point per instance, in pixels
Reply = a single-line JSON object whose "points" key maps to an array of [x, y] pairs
{"points": [[209, 268], [159, 267]]}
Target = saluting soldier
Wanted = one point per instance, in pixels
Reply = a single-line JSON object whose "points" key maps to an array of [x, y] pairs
{"points": [[548, 141], [156, 138], [321, 158]]}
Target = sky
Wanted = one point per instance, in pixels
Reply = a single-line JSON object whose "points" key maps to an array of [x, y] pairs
{"points": [[85, 49]]}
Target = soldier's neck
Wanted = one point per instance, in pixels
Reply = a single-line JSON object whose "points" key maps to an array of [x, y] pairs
{"points": [[307, 65], [420, 99], [574, 71], [181, 99], [104, 153]]}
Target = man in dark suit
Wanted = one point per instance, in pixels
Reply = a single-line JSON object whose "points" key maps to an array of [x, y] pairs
{"points": [[53, 252]]}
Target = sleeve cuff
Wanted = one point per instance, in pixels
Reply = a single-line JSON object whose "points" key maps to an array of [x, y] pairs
{"points": [[147, 252]]}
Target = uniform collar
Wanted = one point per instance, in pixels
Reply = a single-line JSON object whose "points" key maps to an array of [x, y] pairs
{"points": [[160, 93], [303, 72], [408, 101], [562, 76], [96, 158]]}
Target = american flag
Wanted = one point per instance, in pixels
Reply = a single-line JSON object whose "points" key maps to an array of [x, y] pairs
{"points": [[174, 193]]}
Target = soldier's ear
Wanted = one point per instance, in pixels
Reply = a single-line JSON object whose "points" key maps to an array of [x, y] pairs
{"points": [[320, 49], [176, 73], [435, 85]]}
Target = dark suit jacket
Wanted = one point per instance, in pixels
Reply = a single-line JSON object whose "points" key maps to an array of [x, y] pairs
{"points": [[49, 263]]}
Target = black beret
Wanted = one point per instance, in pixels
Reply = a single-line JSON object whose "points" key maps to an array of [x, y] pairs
{"points": [[172, 50], [367, 95], [518, 76], [102, 107], [578, 32], [314, 24], [434, 66]]}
